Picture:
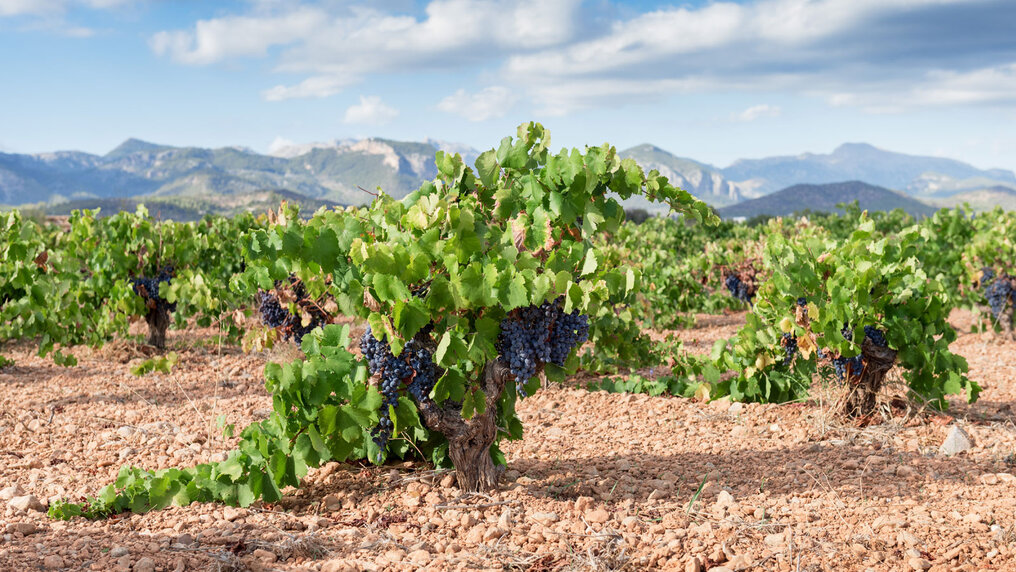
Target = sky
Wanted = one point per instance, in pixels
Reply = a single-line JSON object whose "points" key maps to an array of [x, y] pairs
{"points": [[712, 81]]}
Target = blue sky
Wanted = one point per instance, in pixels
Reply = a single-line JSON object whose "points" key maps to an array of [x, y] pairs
{"points": [[713, 81]]}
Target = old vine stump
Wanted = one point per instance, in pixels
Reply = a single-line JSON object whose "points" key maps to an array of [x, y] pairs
{"points": [[863, 394], [469, 440]]}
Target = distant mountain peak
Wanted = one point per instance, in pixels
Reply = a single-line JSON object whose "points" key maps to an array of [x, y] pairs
{"points": [[131, 146]]}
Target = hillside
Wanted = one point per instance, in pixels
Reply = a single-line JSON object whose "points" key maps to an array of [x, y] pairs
{"points": [[983, 199], [917, 175], [824, 198], [186, 209], [332, 172], [704, 181]]}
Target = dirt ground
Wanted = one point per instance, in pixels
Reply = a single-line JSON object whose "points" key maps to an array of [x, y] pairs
{"points": [[600, 482]]}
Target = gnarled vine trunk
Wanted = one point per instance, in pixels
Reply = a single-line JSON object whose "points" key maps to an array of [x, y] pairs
{"points": [[469, 441], [158, 322], [863, 394]]}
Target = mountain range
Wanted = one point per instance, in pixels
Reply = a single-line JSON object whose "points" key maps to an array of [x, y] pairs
{"points": [[824, 198], [340, 171]]}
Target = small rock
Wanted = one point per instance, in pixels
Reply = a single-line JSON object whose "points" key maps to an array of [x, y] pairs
{"points": [[118, 551], [973, 518], [598, 516], [493, 533], [657, 494], [340, 565], [146, 564], [776, 540], [851, 465], [694, 565], [956, 441], [266, 556], [919, 564], [26, 528], [448, 481], [724, 499], [546, 518], [735, 408], [11, 492], [420, 557], [332, 502], [720, 569], [185, 539], [232, 513], [395, 555], [505, 521], [738, 431], [27, 503], [53, 562], [125, 431]]}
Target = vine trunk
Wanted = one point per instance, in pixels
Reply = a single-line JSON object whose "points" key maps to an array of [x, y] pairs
{"points": [[863, 395], [469, 440], [158, 323]]}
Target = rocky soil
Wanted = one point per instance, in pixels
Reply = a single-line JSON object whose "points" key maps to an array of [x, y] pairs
{"points": [[601, 481]]}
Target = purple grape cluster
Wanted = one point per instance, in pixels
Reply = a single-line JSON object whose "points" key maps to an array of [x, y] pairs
{"points": [[275, 315], [535, 335], [148, 288], [738, 289], [999, 292], [414, 367], [789, 348], [854, 365]]}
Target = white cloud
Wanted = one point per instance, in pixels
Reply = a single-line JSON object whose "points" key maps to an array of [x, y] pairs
{"points": [[370, 111], [985, 86], [757, 112], [847, 51], [53, 7], [491, 102], [317, 86], [278, 144], [336, 46]]}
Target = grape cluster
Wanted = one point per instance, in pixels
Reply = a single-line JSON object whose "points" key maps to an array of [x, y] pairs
{"points": [[998, 291], [148, 288], [738, 288], [856, 364], [802, 302], [275, 315], [789, 348], [535, 335], [415, 364]]}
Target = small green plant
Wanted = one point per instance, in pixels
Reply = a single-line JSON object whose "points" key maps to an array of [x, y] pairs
{"points": [[162, 364]]}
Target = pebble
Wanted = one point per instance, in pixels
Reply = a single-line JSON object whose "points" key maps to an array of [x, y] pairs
{"points": [[546, 518], [145, 564], [598, 516], [11, 492], [919, 564], [26, 503], [956, 442], [52, 562], [118, 551], [266, 556]]}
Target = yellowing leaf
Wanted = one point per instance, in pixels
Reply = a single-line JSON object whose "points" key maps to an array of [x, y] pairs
{"points": [[787, 325]]}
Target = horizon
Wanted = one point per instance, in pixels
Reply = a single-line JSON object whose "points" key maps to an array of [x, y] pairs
{"points": [[711, 81]]}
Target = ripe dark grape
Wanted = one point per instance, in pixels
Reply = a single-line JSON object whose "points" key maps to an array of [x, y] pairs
{"points": [[535, 335], [854, 364], [999, 292], [414, 367], [272, 313], [789, 348], [275, 315], [802, 302], [876, 336], [148, 288], [738, 289]]}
